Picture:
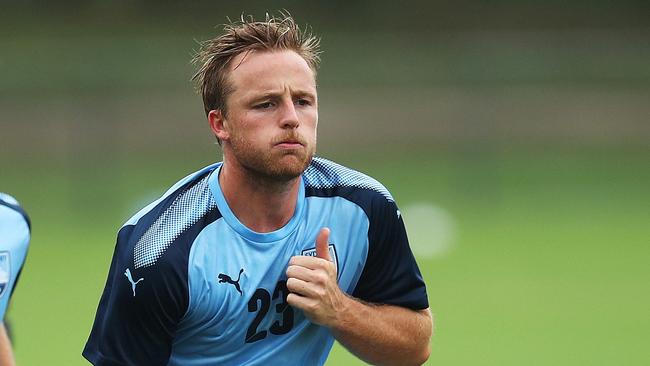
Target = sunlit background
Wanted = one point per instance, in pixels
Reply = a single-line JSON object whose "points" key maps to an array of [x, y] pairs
{"points": [[515, 136]]}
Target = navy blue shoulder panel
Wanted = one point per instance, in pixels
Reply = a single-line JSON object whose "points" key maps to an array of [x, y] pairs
{"points": [[390, 274], [14, 205], [326, 178], [146, 293]]}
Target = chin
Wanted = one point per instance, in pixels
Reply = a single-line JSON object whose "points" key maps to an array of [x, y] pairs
{"points": [[273, 165], [288, 167]]}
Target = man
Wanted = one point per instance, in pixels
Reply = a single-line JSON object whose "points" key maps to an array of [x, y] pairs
{"points": [[267, 257], [14, 240]]}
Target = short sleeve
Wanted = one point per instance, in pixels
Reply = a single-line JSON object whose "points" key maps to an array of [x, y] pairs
{"points": [[139, 310], [14, 242], [391, 274]]}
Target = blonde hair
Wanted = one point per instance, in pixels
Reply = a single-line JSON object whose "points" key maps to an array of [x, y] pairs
{"points": [[245, 35]]}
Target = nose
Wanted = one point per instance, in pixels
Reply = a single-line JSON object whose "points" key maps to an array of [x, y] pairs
{"points": [[289, 117]]}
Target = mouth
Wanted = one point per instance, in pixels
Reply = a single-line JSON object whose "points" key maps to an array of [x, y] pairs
{"points": [[290, 144]]}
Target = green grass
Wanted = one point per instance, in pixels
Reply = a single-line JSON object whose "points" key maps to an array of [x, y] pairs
{"points": [[549, 266], [550, 262]]}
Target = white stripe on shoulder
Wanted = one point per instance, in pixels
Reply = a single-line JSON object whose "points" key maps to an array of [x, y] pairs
{"points": [[135, 218], [323, 173], [9, 199], [186, 210]]}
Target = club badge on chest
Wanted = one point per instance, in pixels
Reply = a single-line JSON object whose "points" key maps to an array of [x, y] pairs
{"points": [[311, 252]]}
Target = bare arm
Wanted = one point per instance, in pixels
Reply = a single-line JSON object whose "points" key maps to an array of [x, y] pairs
{"points": [[385, 334], [6, 354], [379, 334]]}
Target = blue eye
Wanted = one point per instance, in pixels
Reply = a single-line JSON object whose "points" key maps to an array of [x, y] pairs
{"points": [[303, 102], [264, 105]]}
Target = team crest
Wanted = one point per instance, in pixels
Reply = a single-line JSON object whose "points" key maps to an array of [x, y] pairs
{"points": [[312, 253], [5, 272]]}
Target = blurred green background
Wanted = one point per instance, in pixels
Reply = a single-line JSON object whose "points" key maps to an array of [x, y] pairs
{"points": [[515, 136]]}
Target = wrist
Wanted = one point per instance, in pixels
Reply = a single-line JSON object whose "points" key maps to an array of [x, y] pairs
{"points": [[345, 313]]}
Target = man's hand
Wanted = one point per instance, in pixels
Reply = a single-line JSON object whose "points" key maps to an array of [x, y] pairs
{"points": [[378, 334], [313, 286]]}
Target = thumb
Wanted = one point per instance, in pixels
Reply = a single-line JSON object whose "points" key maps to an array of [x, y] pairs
{"points": [[322, 244]]}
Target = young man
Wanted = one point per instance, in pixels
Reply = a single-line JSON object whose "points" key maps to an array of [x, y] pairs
{"points": [[267, 257], [14, 240]]}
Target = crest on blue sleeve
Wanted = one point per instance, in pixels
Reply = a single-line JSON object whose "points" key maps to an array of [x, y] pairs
{"points": [[5, 272]]}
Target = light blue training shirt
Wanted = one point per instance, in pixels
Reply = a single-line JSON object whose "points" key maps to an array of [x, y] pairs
{"points": [[190, 285]]}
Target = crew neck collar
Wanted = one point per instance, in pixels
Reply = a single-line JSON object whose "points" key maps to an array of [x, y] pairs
{"points": [[242, 229]]}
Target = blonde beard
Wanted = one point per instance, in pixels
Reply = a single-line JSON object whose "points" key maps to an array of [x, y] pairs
{"points": [[269, 165]]}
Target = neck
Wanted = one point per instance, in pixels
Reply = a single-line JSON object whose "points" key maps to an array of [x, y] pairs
{"points": [[260, 203]]}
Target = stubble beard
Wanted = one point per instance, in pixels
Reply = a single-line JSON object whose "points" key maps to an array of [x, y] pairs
{"points": [[271, 166]]}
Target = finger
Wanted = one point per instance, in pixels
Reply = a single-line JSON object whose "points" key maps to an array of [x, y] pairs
{"points": [[308, 262], [303, 303], [301, 273], [322, 244], [318, 277], [305, 289]]}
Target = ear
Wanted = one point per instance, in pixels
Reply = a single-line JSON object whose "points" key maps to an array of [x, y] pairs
{"points": [[218, 124]]}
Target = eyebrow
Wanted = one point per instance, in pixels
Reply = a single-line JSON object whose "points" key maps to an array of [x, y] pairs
{"points": [[277, 95]]}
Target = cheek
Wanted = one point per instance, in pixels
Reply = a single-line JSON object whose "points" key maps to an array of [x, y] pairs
{"points": [[310, 119], [249, 127], [314, 127]]}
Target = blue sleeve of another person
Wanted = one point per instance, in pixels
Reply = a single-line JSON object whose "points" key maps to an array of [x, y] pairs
{"points": [[14, 241]]}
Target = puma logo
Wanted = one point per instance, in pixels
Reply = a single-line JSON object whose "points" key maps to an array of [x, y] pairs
{"points": [[224, 278], [127, 273]]}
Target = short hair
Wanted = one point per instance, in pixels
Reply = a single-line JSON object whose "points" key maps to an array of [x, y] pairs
{"points": [[245, 35]]}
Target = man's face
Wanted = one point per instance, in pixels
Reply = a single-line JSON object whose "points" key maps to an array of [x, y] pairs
{"points": [[270, 127]]}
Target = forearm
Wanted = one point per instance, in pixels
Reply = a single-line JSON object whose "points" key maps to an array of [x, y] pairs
{"points": [[379, 334], [384, 334]]}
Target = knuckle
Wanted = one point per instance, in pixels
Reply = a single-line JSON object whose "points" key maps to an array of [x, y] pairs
{"points": [[291, 270], [321, 278], [312, 307]]}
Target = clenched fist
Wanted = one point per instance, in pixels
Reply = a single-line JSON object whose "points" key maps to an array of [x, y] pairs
{"points": [[313, 285]]}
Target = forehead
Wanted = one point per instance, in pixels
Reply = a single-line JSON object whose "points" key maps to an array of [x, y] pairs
{"points": [[263, 70]]}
